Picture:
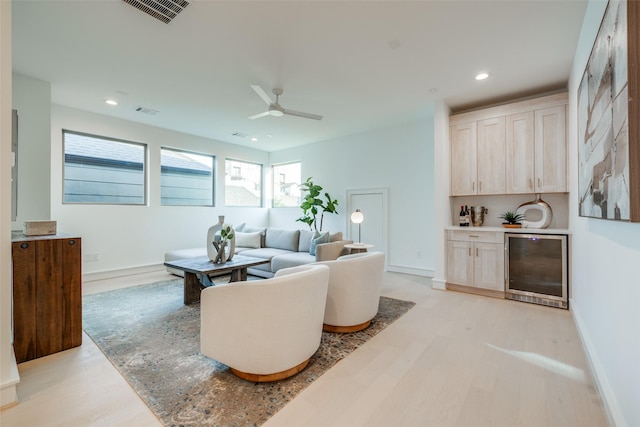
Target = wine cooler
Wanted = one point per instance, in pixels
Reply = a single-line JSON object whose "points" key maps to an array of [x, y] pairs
{"points": [[536, 269]]}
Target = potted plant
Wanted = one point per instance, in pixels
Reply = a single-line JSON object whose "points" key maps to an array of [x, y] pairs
{"points": [[312, 205], [512, 219]]}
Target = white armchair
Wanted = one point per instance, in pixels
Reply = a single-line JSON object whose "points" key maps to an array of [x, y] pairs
{"points": [[354, 291], [265, 330]]}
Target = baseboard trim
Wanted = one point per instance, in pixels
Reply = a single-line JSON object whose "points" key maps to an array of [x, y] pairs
{"points": [[120, 272], [439, 284], [609, 402], [410, 270], [8, 388]]}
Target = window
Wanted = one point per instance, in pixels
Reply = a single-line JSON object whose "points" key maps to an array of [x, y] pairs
{"points": [[286, 185], [242, 183], [186, 179], [103, 170]]}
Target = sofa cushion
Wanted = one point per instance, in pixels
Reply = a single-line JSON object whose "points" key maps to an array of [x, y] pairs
{"points": [[265, 253], [317, 239], [279, 238], [305, 240], [261, 230], [292, 259], [335, 237], [248, 240]]}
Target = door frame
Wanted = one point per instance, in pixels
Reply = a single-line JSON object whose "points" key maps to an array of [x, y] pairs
{"points": [[384, 192]]}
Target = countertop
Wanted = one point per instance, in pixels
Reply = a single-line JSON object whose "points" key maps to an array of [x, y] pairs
{"points": [[511, 230]]}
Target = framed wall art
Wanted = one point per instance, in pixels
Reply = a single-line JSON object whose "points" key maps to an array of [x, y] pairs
{"points": [[609, 118]]}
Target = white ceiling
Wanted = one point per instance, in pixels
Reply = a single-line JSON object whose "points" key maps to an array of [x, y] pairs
{"points": [[360, 64]]}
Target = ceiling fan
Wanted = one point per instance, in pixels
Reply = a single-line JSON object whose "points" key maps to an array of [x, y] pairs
{"points": [[274, 107]]}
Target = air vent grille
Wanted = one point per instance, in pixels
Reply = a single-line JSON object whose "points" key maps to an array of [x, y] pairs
{"points": [[146, 110], [162, 10]]}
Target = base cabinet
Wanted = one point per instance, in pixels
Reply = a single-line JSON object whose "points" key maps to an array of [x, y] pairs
{"points": [[475, 259], [47, 295]]}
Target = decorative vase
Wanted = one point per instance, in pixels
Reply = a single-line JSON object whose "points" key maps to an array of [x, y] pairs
{"points": [[536, 205], [212, 253]]}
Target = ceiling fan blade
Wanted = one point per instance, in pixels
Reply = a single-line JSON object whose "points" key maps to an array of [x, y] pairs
{"points": [[301, 114], [262, 94], [257, 116]]}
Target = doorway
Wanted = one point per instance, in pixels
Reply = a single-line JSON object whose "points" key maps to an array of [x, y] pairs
{"points": [[373, 229]]}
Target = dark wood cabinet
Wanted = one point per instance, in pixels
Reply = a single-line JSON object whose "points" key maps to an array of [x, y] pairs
{"points": [[47, 295]]}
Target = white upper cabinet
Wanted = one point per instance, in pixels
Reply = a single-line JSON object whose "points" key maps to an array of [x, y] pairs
{"points": [[464, 160], [491, 166], [514, 148], [551, 150]]}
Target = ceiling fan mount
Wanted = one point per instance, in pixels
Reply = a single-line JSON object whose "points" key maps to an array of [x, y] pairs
{"points": [[275, 109]]}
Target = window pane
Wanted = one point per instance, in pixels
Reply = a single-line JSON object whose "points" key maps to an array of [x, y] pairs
{"points": [[186, 179], [103, 170], [286, 185], [243, 183]]}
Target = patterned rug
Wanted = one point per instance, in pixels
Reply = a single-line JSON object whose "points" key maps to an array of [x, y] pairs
{"points": [[153, 339]]}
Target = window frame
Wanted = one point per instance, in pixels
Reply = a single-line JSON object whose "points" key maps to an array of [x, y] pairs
{"points": [[145, 169], [273, 183], [231, 159], [213, 175]]}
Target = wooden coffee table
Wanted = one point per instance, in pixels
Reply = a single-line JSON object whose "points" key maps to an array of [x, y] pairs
{"points": [[197, 272]]}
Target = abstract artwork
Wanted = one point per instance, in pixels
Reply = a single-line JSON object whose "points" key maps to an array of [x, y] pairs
{"points": [[607, 181]]}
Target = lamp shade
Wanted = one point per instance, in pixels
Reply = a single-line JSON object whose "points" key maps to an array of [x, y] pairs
{"points": [[357, 217]]}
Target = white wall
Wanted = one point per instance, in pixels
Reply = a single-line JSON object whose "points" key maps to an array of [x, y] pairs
{"points": [[9, 376], [606, 291], [125, 237], [399, 158], [32, 100]]}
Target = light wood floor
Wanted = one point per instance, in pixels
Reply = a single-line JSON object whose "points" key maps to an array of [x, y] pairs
{"points": [[453, 360]]}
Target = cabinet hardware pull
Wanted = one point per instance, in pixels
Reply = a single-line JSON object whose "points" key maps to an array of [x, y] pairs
{"points": [[473, 235], [539, 183], [72, 242], [469, 251], [530, 183], [24, 245], [476, 251], [473, 186], [480, 186]]}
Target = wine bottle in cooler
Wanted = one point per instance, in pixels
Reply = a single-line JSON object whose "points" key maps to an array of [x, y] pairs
{"points": [[467, 215], [462, 216]]}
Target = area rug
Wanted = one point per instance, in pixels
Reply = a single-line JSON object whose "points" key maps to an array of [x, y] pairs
{"points": [[153, 339]]}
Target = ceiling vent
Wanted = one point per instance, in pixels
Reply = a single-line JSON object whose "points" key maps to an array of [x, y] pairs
{"points": [[162, 10], [146, 110]]}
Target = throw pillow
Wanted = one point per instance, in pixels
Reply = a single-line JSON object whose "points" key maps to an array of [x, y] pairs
{"points": [[317, 239], [248, 240]]}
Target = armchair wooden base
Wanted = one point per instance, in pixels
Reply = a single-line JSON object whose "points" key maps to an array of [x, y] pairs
{"points": [[346, 329], [259, 378]]}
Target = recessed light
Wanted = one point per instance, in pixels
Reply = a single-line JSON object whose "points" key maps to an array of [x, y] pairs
{"points": [[254, 139], [111, 101], [269, 135], [482, 76]]}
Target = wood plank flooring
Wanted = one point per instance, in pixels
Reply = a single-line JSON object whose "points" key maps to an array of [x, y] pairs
{"points": [[453, 360]]}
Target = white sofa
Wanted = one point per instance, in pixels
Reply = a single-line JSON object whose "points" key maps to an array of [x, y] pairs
{"points": [[265, 330], [284, 248], [354, 291]]}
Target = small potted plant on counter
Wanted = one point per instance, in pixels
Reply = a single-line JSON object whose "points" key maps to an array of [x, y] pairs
{"points": [[512, 219]]}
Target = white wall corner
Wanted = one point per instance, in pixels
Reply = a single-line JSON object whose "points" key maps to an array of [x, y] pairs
{"points": [[8, 389], [609, 401]]}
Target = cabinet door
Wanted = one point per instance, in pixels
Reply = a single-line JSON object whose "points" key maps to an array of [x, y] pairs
{"points": [[24, 300], [520, 153], [50, 296], [72, 301], [488, 266], [460, 262], [463, 159], [491, 156], [551, 150]]}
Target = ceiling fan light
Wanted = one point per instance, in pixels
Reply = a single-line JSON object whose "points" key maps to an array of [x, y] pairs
{"points": [[276, 113]]}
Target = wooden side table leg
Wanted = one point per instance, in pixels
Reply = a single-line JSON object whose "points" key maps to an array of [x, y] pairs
{"points": [[192, 288]]}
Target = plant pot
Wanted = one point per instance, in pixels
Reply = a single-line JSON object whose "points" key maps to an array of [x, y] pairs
{"points": [[507, 225]]}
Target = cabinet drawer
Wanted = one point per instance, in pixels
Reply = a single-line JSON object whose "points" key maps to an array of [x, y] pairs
{"points": [[476, 236]]}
